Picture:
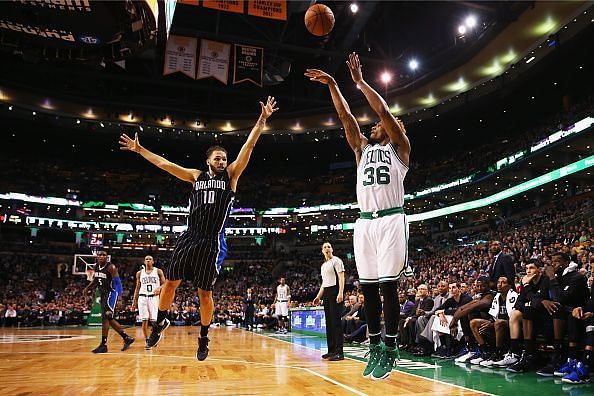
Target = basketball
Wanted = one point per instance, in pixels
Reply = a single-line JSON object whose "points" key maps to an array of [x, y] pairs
{"points": [[319, 20]]}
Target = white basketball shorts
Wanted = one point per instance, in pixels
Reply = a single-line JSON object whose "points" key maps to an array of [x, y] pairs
{"points": [[381, 248], [148, 307], [281, 308]]}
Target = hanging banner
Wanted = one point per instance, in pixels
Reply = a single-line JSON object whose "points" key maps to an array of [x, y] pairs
{"points": [[273, 9], [248, 64], [214, 60], [189, 2], [224, 5], [180, 56]]}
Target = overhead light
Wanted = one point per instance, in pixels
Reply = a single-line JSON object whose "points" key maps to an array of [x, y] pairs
{"points": [[10, 108], [141, 128], [102, 125], [34, 113], [354, 8], [530, 59], [413, 64], [462, 29], [77, 121], [470, 21], [386, 77]]}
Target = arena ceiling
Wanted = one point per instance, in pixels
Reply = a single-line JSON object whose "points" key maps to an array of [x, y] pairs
{"points": [[388, 35]]}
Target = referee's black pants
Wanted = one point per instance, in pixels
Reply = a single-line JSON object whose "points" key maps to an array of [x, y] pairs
{"points": [[334, 336]]}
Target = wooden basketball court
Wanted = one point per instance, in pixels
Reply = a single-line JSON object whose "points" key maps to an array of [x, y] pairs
{"points": [[53, 362]]}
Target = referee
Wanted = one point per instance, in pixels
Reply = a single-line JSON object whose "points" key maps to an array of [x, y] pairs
{"points": [[332, 289]]}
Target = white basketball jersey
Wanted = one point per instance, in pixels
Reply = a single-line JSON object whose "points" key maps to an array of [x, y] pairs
{"points": [[282, 292], [380, 178], [149, 282]]}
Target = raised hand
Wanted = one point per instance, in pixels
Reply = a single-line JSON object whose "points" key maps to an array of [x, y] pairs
{"points": [[355, 67], [319, 76], [126, 143], [269, 107]]}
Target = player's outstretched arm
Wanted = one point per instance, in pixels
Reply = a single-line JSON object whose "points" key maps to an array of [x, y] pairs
{"points": [[185, 174], [237, 167], [356, 140], [393, 126]]}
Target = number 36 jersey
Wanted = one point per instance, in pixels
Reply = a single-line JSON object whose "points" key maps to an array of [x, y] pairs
{"points": [[380, 178], [211, 201]]}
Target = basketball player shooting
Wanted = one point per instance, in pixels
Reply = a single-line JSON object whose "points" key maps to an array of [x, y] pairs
{"points": [[200, 251], [107, 278], [381, 232]]}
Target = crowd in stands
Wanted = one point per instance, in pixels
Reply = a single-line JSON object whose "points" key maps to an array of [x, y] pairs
{"points": [[490, 303]]}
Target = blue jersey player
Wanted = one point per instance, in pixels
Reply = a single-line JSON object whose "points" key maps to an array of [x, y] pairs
{"points": [[107, 279]]}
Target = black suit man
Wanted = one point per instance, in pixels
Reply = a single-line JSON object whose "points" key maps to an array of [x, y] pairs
{"points": [[502, 265]]}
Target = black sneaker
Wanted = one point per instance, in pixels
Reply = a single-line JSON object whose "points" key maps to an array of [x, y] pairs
{"points": [[421, 352], [100, 349], [127, 342], [526, 363], [439, 353], [337, 357], [157, 333], [202, 351], [146, 345], [549, 369], [327, 355]]}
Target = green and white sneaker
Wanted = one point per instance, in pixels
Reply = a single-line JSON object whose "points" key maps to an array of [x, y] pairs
{"points": [[386, 363], [375, 353]]}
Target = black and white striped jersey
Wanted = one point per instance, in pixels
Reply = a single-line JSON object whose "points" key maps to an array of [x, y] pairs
{"points": [[211, 201]]}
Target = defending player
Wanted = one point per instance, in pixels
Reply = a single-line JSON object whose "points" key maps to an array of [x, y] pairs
{"points": [[200, 251]]}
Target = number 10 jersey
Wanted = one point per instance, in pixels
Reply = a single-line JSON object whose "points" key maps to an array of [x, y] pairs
{"points": [[211, 201]]}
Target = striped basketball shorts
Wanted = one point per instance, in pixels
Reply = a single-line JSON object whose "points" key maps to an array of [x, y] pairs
{"points": [[381, 248], [109, 300], [197, 258]]}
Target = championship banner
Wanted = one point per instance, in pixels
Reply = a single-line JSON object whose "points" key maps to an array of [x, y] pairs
{"points": [[180, 55], [224, 5], [273, 9], [214, 60], [248, 64]]}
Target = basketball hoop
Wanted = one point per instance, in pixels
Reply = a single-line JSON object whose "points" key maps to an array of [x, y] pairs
{"points": [[90, 274]]}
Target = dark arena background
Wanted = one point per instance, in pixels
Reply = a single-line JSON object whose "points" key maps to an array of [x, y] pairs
{"points": [[497, 102]]}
